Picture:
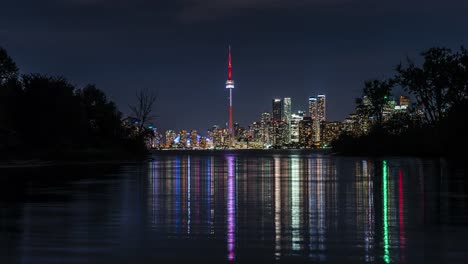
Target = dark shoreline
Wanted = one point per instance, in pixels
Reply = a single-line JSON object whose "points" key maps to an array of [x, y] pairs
{"points": [[93, 157], [34, 163], [54, 157], [241, 151]]}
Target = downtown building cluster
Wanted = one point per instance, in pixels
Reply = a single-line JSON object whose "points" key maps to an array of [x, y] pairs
{"points": [[359, 123], [279, 129], [283, 128]]}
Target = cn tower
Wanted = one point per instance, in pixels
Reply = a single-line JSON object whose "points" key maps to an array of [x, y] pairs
{"points": [[230, 86]]}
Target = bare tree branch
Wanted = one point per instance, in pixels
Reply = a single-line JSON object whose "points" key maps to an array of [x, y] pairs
{"points": [[144, 106]]}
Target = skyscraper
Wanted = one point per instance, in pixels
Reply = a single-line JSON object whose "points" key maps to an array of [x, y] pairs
{"points": [[286, 109], [236, 130], [277, 113], [330, 131], [287, 118], [321, 107], [278, 128], [278, 133], [306, 132], [317, 115], [265, 123], [404, 102], [230, 86], [295, 119], [266, 118], [313, 107]]}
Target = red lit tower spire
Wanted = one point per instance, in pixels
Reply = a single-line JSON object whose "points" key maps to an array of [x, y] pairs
{"points": [[230, 86], [229, 65]]}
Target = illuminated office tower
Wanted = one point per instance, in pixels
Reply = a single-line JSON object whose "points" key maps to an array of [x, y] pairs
{"points": [[321, 107], [313, 114], [287, 118], [306, 132], [256, 131], [321, 118], [330, 131], [313, 107], [193, 138], [295, 119], [266, 117], [237, 131], [212, 132], [217, 137], [277, 107], [183, 138], [265, 123], [278, 133], [389, 108], [404, 102], [170, 137], [203, 143]]}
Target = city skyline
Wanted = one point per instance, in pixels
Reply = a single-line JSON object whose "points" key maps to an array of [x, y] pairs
{"points": [[179, 49], [286, 129], [280, 111]]}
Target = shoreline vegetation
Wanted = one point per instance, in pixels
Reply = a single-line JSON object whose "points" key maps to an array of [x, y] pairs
{"points": [[435, 123], [48, 118]]}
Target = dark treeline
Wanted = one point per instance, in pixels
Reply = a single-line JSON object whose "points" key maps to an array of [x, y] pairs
{"points": [[435, 122], [47, 117]]}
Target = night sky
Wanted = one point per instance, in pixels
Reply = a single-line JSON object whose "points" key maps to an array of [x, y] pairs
{"points": [[281, 48]]}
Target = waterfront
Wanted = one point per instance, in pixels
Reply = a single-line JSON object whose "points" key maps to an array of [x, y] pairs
{"points": [[234, 207]]}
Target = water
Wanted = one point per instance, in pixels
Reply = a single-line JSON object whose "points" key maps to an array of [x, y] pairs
{"points": [[236, 208]]}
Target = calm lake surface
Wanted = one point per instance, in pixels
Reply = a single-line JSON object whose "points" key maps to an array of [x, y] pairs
{"points": [[235, 207]]}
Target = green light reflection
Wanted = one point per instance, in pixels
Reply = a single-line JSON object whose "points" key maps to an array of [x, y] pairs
{"points": [[386, 255]]}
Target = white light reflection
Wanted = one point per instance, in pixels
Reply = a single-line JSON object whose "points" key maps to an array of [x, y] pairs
{"points": [[321, 208], [295, 209], [231, 209], [312, 209], [277, 208], [317, 215], [369, 225]]}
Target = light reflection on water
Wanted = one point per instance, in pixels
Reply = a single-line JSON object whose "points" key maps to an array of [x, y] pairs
{"points": [[236, 209], [231, 209]]}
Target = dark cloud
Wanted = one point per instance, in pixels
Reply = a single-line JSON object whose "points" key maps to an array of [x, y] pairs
{"points": [[204, 10], [108, 3], [196, 10]]}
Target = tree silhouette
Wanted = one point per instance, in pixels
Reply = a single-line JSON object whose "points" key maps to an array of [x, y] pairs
{"points": [[10, 97], [43, 114], [438, 84], [52, 112], [104, 119], [143, 108], [8, 69], [378, 93], [433, 125]]}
